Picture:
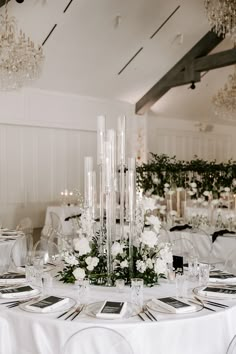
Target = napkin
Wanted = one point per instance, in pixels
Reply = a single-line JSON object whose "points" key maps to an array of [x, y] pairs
{"points": [[221, 233], [72, 217], [180, 227]]}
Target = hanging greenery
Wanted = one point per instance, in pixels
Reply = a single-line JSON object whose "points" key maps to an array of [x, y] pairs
{"points": [[163, 172]]}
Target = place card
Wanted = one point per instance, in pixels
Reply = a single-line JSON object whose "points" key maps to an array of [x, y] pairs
{"points": [[174, 305], [21, 290], [224, 292], [112, 310], [47, 304]]}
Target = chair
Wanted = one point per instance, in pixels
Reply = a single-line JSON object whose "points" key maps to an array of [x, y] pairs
{"points": [[230, 262], [55, 222], [232, 346], [25, 225], [21, 252], [47, 251], [97, 340], [184, 247]]}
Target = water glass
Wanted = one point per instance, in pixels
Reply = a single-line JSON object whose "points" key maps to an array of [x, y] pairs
{"points": [[170, 272], [47, 280], [83, 290], [38, 263], [120, 285], [180, 284], [192, 269], [137, 292], [203, 273]]}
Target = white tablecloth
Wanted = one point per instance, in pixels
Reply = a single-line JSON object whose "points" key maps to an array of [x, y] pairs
{"points": [[63, 212], [221, 247], [204, 332]]}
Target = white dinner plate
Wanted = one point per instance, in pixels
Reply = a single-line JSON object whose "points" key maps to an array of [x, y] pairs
{"points": [[64, 307], [155, 307], [93, 308]]}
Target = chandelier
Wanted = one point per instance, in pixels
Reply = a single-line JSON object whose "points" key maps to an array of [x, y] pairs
{"points": [[222, 17], [225, 100], [20, 60]]}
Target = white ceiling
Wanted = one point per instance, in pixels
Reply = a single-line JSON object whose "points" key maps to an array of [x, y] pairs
{"points": [[89, 47]]}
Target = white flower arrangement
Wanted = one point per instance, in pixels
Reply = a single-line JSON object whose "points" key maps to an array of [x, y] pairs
{"points": [[150, 257]]}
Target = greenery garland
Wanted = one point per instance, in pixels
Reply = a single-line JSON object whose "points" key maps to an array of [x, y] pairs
{"points": [[208, 175]]}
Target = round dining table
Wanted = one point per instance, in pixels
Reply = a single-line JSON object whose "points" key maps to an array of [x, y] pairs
{"points": [[205, 331]]}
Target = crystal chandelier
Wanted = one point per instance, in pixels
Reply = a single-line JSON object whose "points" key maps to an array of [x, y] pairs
{"points": [[225, 100], [20, 60], [222, 17]]}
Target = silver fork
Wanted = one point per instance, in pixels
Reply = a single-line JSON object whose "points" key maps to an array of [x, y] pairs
{"points": [[75, 313]]}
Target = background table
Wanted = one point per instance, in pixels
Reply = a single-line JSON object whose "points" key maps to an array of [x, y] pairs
{"points": [[63, 212]]}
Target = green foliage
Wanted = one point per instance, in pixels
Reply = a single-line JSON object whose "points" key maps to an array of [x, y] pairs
{"points": [[209, 176]]}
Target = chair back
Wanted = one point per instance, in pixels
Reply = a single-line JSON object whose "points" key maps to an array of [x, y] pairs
{"points": [[184, 247], [47, 251], [21, 252], [232, 346], [97, 340], [25, 225]]}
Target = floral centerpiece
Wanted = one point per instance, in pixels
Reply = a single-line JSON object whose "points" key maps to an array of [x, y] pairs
{"points": [[150, 256]]}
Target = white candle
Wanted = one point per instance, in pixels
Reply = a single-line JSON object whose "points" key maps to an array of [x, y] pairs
{"points": [[178, 201], [100, 139], [88, 167], [121, 139]]}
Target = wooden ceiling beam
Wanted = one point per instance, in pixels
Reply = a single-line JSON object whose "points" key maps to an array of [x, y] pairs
{"points": [[215, 61], [202, 48]]}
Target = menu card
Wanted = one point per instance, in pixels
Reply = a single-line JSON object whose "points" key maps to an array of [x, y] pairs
{"points": [[112, 309], [224, 292], [47, 303], [21, 290], [174, 305], [219, 276], [10, 278]]}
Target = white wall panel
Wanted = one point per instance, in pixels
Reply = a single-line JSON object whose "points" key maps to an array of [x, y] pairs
{"points": [[184, 140], [36, 165]]}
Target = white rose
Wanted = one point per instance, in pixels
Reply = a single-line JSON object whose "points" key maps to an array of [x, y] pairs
{"points": [[70, 259], [79, 273], [166, 185], [160, 266], [171, 192], [227, 189], [191, 193], [206, 193], [92, 262], [205, 203], [156, 180], [193, 185], [124, 264], [149, 238], [149, 263], [82, 246], [116, 249], [141, 266]]}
